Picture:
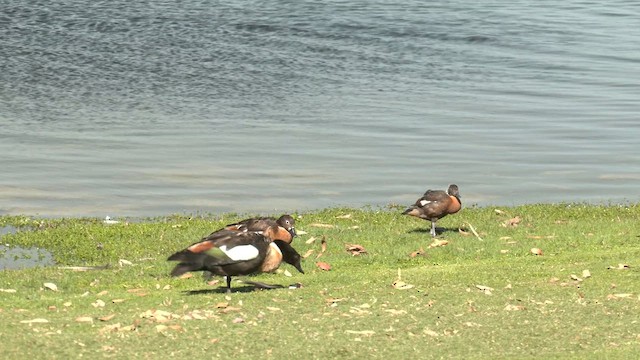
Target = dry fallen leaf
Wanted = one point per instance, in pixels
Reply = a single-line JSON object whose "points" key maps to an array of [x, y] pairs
{"points": [[128, 328], [323, 247], [186, 276], [230, 309], [123, 262], [472, 324], [333, 302], [84, 319], [586, 273], [512, 222], [355, 249], [485, 289], [161, 328], [118, 328], [430, 332], [618, 296], [323, 266], [437, 243], [419, 252], [50, 286], [221, 305], [159, 315], [287, 273], [513, 307], [311, 240], [35, 321], [619, 267], [396, 312], [536, 251], [308, 253], [271, 308], [463, 232], [399, 284], [11, 291], [540, 236], [238, 320], [361, 332], [319, 225], [98, 303], [345, 216], [102, 293], [107, 317]]}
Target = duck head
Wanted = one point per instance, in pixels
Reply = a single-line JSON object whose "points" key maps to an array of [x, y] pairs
{"points": [[288, 222], [453, 191], [290, 255]]}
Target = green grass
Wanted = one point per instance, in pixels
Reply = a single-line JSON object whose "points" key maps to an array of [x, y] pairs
{"points": [[353, 311]]}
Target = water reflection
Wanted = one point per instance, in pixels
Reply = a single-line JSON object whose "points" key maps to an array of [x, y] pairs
{"points": [[16, 257]]}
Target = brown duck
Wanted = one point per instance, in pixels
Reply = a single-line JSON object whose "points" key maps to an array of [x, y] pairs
{"points": [[232, 253], [436, 204]]}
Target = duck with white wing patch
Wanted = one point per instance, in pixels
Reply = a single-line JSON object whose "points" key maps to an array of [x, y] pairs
{"points": [[232, 253]]}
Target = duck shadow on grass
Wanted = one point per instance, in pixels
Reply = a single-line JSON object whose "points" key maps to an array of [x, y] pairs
{"points": [[249, 287], [439, 230], [221, 290]]}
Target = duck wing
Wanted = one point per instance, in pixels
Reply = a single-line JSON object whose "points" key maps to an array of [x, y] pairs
{"points": [[434, 196], [253, 224]]}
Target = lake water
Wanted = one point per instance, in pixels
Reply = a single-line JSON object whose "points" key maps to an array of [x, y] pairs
{"points": [[144, 108]]}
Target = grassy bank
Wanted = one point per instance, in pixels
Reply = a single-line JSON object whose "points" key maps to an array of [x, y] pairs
{"points": [[471, 297]]}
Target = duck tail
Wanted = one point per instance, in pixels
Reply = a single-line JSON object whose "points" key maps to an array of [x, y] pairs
{"points": [[184, 255], [413, 211], [189, 261]]}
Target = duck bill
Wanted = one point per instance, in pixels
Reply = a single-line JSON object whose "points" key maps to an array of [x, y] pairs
{"points": [[292, 231]]}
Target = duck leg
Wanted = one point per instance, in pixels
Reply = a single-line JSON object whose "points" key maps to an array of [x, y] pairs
{"points": [[433, 229], [228, 284]]}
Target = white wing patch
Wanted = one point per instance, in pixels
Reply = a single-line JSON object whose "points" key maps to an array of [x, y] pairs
{"points": [[239, 253], [424, 202]]}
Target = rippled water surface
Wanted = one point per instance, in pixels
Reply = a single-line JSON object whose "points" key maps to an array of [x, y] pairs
{"points": [[131, 108]]}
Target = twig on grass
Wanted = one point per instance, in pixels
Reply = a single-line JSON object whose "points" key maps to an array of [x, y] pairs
{"points": [[474, 231]]}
